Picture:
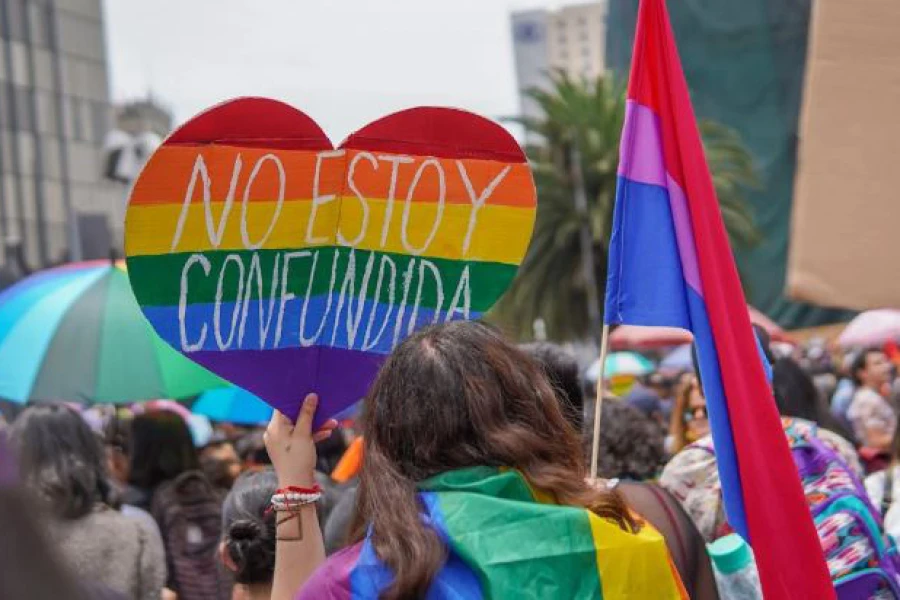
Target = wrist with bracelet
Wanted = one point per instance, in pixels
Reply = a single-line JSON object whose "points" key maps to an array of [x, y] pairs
{"points": [[291, 499]]}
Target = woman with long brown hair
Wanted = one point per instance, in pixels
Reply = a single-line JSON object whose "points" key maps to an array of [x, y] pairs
{"points": [[473, 486]]}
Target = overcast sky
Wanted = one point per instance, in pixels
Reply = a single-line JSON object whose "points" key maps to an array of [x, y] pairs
{"points": [[343, 62]]}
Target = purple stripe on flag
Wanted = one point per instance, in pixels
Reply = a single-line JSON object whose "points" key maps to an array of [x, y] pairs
{"points": [[640, 154], [684, 234]]}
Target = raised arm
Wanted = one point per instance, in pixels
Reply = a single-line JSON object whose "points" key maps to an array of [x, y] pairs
{"points": [[299, 549]]}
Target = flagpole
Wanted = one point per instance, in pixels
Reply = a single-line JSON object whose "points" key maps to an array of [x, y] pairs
{"points": [[598, 402]]}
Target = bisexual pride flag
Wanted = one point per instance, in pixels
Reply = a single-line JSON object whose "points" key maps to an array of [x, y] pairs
{"points": [[670, 264]]}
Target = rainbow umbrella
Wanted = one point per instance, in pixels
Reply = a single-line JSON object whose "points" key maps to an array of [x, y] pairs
{"points": [[232, 405], [620, 363], [75, 333]]}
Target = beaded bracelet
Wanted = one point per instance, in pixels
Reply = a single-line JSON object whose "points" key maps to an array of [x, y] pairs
{"points": [[288, 503], [291, 498]]}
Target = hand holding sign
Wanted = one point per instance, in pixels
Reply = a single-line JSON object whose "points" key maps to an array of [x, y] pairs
{"points": [[288, 267]]}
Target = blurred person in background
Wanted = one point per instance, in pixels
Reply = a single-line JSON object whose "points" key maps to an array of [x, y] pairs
{"points": [[883, 488], [689, 421], [30, 565], [631, 444], [872, 416], [62, 465], [561, 370], [248, 535], [220, 462], [630, 454], [843, 393], [797, 398], [652, 394], [692, 475], [166, 477], [251, 450]]}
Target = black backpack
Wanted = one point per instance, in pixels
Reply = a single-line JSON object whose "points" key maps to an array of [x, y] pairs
{"points": [[189, 514]]}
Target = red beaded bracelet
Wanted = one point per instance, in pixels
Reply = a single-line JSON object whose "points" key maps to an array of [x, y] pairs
{"points": [[293, 489]]}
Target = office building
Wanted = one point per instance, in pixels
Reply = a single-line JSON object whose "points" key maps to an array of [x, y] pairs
{"points": [[571, 39], [54, 114]]}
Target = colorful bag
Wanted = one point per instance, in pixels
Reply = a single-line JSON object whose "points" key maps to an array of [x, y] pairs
{"points": [[861, 558]]}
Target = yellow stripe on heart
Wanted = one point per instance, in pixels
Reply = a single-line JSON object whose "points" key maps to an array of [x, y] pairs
{"points": [[494, 233]]}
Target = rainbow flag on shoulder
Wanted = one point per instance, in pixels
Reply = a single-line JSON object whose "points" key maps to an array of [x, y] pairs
{"points": [[506, 543], [670, 264]]}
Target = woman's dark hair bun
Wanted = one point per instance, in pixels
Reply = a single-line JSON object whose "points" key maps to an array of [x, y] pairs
{"points": [[249, 529], [245, 530]]}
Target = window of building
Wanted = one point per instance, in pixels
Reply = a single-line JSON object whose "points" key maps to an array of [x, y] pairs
{"points": [[43, 69], [6, 153], [80, 36], [46, 114], [27, 153], [51, 157], [39, 24], [100, 121], [77, 131], [83, 162], [24, 119], [14, 28], [5, 118], [96, 84], [20, 72], [84, 8]]}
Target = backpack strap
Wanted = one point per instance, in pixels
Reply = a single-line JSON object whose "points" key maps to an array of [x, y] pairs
{"points": [[887, 498]]}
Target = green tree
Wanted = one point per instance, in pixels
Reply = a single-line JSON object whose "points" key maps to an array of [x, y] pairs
{"points": [[589, 115]]}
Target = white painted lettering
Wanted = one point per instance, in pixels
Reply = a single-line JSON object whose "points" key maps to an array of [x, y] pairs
{"points": [[477, 200], [245, 235], [318, 198], [182, 303], [442, 192]]}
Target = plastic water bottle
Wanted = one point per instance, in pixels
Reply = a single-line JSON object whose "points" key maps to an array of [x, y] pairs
{"points": [[735, 569]]}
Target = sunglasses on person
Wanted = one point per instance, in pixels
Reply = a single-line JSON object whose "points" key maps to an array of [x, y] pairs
{"points": [[691, 413]]}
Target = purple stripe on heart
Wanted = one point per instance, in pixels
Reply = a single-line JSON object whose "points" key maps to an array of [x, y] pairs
{"points": [[641, 160], [284, 376]]}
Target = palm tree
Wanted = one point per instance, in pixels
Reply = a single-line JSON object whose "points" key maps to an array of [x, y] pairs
{"points": [[588, 115]]}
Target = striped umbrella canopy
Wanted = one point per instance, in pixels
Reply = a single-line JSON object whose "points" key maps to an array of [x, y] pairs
{"points": [[232, 405], [621, 363], [75, 333]]}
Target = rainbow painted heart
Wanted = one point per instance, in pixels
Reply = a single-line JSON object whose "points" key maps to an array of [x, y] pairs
{"points": [[287, 266]]}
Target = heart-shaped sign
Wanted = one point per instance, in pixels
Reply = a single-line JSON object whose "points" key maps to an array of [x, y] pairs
{"points": [[287, 266]]}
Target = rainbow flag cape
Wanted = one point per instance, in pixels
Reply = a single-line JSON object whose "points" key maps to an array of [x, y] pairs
{"points": [[505, 542], [670, 264]]}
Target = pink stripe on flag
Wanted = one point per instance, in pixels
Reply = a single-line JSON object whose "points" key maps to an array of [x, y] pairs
{"points": [[641, 161], [640, 155], [684, 234]]}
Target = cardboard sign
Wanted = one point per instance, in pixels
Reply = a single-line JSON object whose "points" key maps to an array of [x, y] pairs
{"points": [[287, 266]]}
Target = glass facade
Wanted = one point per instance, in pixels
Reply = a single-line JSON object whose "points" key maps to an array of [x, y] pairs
{"points": [[54, 113]]}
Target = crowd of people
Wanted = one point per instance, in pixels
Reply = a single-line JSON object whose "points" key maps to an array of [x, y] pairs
{"points": [[463, 474]]}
